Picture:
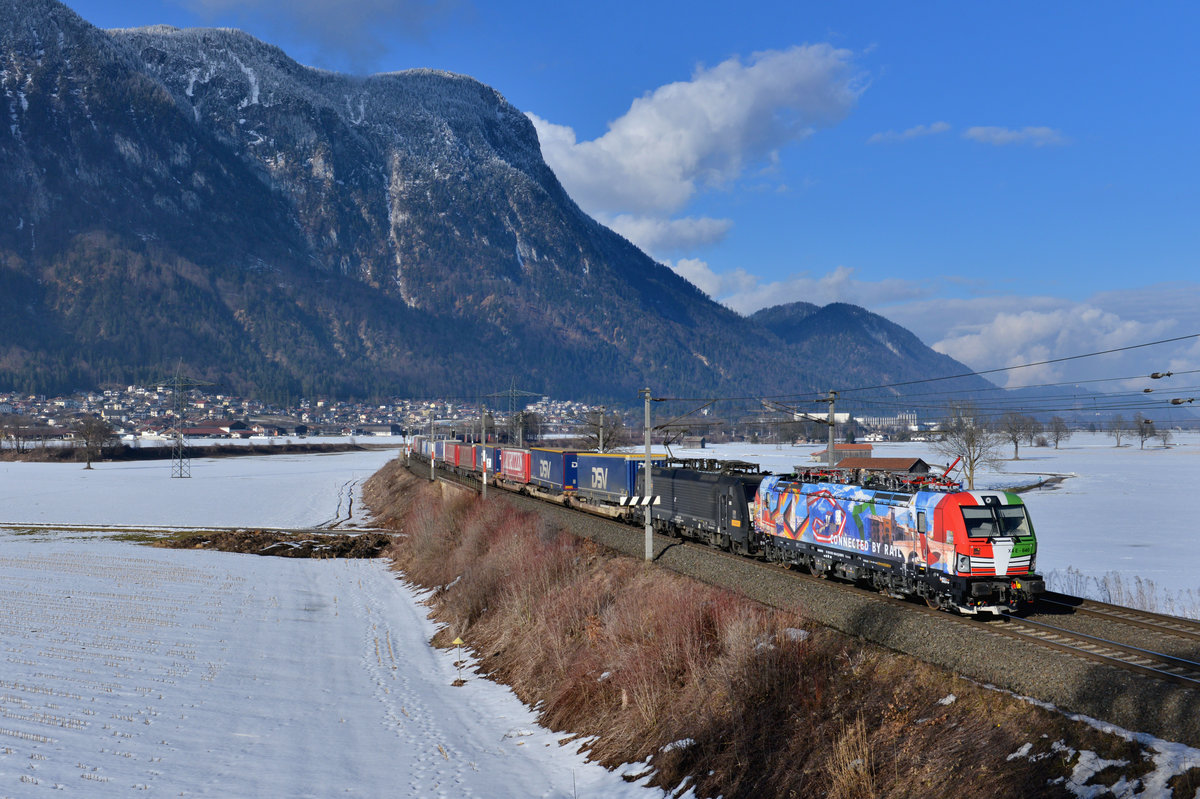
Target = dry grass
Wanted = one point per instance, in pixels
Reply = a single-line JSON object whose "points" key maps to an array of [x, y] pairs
{"points": [[715, 692], [851, 772], [1127, 591]]}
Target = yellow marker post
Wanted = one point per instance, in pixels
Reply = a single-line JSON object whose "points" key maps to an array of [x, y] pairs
{"points": [[458, 642]]}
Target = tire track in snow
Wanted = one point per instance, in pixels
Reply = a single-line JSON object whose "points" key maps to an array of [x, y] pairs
{"points": [[345, 498]]}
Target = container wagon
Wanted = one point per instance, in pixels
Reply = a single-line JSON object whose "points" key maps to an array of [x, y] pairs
{"points": [[555, 470], [514, 465], [609, 477]]}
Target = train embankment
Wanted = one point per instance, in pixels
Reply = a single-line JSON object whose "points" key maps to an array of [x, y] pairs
{"points": [[712, 689]]}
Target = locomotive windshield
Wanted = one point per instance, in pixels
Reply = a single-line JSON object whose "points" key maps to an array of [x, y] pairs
{"points": [[1014, 520], [988, 522]]}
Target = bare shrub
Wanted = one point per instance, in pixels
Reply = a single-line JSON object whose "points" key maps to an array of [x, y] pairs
{"points": [[429, 530]]}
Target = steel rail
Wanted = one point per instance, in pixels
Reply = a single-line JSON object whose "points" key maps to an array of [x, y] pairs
{"points": [[1125, 656], [1147, 620]]}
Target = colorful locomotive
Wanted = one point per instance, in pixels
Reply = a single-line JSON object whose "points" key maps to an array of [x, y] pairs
{"points": [[968, 551]]}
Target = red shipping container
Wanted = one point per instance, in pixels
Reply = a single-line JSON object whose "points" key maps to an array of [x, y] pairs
{"points": [[514, 465], [460, 455]]}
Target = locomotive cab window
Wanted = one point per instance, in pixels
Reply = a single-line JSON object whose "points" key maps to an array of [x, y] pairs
{"points": [[980, 522], [1014, 520]]}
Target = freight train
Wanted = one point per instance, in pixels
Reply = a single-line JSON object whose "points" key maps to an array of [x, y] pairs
{"points": [[920, 537]]}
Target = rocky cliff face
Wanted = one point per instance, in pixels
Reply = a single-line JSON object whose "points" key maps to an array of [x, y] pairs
{"points": [[405, 181], [195, 194]]}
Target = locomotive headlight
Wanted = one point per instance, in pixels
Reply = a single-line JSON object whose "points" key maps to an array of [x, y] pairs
{"points": [[1032, 563], [963, 564]]}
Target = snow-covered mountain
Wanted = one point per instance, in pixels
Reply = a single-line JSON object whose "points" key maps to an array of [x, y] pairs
{"points": [[196, 194]]}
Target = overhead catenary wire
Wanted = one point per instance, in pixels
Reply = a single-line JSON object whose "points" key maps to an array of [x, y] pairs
{"points": [[1037, 385], [1029, 365], [898, 400]]}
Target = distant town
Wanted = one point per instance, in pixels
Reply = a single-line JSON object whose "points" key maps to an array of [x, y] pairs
{"points": [[154, 412]]}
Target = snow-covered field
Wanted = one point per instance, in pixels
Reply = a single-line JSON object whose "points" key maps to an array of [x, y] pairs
{"points": [[276, 490], [194, 673], [128, 669], [1115, 520]]}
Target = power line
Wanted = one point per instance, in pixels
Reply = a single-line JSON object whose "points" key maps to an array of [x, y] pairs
{"points": [[1028, 365], [1041, 385], [817, 397]]}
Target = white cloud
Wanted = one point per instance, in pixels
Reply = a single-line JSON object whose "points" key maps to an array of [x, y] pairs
{"points": [[702, 132], [749, 294], [914, 132], [701, 275], [1012, 339], [1002, 331], [990, 332], [1179, 301], [658, 236], [1033, 136]]}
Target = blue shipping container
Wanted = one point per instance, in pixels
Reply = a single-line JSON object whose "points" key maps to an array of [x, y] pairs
{"points": [[609, 476], [554, 469], [487, 458]]}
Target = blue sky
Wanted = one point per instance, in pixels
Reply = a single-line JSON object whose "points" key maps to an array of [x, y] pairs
{"points": [[1014, 182]]}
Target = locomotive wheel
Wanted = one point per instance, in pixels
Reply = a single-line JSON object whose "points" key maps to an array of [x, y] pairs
{"points": [[934, 602]]}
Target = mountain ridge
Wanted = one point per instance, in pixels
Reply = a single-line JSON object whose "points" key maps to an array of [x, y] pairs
{"points": [[197, 195]]}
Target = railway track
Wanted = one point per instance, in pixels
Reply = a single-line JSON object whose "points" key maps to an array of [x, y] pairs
{"points": [[1057, 604], [1119, 644], [1115, 653]]}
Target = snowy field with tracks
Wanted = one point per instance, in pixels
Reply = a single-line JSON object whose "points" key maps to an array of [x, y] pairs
{"points": [[128, 670]]}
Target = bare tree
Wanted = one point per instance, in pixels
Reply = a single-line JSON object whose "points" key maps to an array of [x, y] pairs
{"points": [[1059, 431], [1015, 427], [486, 422], [1143, 428], [965, 435], [604, 431], [1117, 428], [1033, 429], [94, 432], [523, 427], [17, 428], [1164, 435]]}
